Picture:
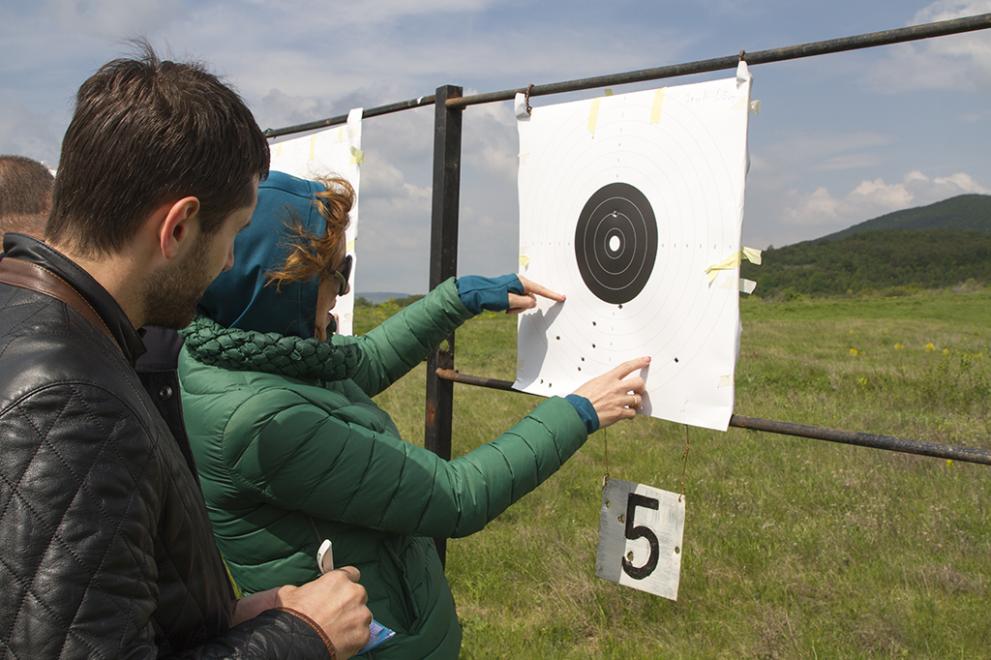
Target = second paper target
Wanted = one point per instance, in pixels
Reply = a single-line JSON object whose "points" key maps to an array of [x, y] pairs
{"points": [[625, 201]]}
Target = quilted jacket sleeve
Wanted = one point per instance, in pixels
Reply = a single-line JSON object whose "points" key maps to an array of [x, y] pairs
{"points": [[304, 459], [272, 634], [407, 338], [80, 498]]}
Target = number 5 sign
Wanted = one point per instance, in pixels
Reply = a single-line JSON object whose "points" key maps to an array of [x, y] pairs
{"points": [[640, 532]]}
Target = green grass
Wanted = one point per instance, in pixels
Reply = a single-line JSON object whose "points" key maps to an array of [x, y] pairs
{"points": [[793, 547]]}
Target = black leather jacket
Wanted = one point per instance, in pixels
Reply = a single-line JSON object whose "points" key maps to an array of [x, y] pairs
{"points": [[105, 546]]}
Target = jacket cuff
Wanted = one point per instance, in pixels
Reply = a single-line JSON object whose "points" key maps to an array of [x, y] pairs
{"points": [[331, 650], [447, 293], [585, 410], [490, 293]]}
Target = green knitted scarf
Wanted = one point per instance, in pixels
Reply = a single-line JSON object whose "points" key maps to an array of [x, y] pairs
{"points": [[247, 350]]}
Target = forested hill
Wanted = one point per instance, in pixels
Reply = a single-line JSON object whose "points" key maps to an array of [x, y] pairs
{"points": [[963, 213], [939, 245]]}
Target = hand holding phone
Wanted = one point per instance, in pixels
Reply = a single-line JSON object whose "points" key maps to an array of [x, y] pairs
{"points": [[325, 562]]}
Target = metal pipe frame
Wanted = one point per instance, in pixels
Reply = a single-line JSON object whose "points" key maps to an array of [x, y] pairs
{"points": [[448, 105], [856, 42], [443, 264], [342, 119], [811, 49], [890, 443]]}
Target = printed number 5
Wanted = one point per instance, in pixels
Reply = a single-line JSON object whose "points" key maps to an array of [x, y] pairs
{"points": [[634, 532]]}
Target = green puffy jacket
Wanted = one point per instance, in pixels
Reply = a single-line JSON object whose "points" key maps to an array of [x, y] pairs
{"points": [[286, 462]]}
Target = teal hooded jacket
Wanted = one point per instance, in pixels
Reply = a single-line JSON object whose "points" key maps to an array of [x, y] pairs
{"points": [[291, 449]]}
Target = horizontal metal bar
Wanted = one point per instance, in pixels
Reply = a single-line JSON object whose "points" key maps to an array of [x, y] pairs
{"points": [[890, 443], [479, 381], [341, 119], [868, 40]]}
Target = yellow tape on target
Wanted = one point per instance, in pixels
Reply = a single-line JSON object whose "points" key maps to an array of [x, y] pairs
{"points": [[656, 106], [732, 262], [593, 116]]}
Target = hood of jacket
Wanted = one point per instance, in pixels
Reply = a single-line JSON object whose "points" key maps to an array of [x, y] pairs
{"points": [[241, 297]]}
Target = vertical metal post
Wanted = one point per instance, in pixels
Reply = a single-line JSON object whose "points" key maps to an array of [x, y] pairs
{"points": [[443, 264]]}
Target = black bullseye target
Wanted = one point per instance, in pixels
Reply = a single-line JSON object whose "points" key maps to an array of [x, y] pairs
{"points": [[616, 242]]}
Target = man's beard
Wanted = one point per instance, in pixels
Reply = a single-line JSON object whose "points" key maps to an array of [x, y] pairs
{"points": [[172, 293]]}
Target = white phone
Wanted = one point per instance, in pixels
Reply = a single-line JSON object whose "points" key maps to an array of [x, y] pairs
{"points": [[325, 556]]}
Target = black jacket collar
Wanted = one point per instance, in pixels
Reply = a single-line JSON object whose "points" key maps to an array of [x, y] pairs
{"points": [[29, 249]]}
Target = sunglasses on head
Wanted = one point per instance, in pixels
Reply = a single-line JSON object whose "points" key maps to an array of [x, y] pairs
{"points": [[342, 275]]}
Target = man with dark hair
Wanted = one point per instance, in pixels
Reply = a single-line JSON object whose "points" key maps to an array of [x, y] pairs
{"points": [[25, 195], [107, 548]]}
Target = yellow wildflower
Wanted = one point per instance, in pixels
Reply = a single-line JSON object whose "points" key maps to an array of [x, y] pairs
{"points": [[854, 352], [930, 347], [899, 346], [946, 351]]}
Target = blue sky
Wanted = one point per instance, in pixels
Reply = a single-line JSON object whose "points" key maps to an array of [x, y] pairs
{"points": [[839, 138]]}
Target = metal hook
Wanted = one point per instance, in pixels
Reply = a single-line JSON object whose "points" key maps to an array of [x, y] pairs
{"points": [[526, 99], [743, 55]]}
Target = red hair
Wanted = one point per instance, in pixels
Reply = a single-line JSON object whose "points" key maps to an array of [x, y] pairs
{"points": [[311, 255]]}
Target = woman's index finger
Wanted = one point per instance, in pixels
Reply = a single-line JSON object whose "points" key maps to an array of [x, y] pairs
{"points": [[628, 367], [540, 290]]}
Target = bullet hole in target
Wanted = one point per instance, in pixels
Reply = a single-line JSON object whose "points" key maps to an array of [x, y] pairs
{"points": [[676, 359]]}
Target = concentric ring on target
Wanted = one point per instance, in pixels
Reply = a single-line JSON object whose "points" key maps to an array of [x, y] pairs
{"points": [[616, 242]]}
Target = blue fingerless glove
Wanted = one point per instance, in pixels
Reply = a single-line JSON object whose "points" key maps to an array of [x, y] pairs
{"points": [[585, 410], [491, 293]]}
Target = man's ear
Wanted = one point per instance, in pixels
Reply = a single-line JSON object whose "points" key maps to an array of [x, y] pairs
{"points": [[179, 227]]}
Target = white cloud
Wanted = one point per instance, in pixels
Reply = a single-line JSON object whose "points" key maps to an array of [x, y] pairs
{"points": [[944, 10], [490, 139], [872, 197], [113, 19], [787, 162], [820, 206], [975, 117], [22, 133], [878, 193], [323, 15], [852, 161], [394, 230], [955, 62]]}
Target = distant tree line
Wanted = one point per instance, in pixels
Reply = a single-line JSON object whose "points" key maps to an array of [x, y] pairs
{"points": [[399, 303]]}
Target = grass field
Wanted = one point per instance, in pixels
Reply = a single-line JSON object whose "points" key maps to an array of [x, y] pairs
{"points": [[793, 547]]}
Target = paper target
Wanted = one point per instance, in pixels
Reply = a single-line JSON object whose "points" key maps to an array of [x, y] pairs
{"points": [[625, 201], [332, 151]]}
